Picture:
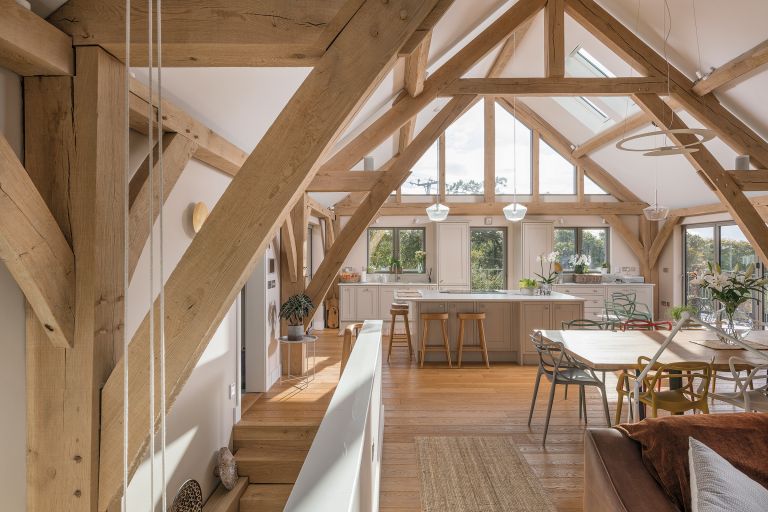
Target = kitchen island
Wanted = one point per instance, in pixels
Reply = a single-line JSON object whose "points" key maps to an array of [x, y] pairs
{"points": [[510, 318]]}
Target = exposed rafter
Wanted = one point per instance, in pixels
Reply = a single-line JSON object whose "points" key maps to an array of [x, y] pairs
{"points": [[176, 151], [739, 206], [732, 70], [319, 210], [612, 134], [750, 180], [213, 33], [222, 255], [35, 251], [212, 148], [556, 86], [29, 45], [346, 181]]}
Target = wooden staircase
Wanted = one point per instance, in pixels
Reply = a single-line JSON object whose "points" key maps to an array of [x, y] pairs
{"points": [[270, 454]]}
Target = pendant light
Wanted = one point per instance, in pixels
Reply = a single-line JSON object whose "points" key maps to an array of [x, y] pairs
{"points": [[514, 212], [702, 135], [656, 212], [438, 212]]}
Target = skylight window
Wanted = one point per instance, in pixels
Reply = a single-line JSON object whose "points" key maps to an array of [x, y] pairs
{"points": [[591, 64]]}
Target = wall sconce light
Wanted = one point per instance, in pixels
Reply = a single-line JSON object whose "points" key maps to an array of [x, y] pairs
{"points": [[199, 214]]}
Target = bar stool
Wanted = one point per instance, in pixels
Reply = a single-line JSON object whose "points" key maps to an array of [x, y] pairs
{"points": [[443, 319], [482, 348], [399, 340]]}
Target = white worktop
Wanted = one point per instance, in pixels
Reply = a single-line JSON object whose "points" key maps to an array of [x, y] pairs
{"points": [[605, 284], [392, 283], [507, 296]]}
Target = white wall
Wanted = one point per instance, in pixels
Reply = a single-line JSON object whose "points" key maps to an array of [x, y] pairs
{"points": [[12, 342], [202, 417]]}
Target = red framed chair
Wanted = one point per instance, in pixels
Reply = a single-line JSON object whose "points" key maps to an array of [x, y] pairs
{"points": [[645, 325]]}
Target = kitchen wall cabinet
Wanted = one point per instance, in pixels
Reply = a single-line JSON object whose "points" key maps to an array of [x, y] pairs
{"points": [[453, 254], [537, 238]]}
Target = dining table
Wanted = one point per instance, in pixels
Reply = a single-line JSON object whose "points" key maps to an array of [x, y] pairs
{"points": [[619, 350]]}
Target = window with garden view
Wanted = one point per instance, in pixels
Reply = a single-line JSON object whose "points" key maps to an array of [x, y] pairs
{"points": [[488, 258], [388, 247], [590, 241]]}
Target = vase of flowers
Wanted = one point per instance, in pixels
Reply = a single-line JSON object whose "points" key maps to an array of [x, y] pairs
{"points": [[730, 290], [421, 257], [580, 263], [294, 311], [548, 277]]}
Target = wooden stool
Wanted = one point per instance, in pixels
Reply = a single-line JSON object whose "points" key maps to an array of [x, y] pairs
{"points": [[443, 319], [399, 340], [478, 317]]}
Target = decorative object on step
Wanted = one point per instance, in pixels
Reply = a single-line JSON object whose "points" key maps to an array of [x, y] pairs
{"points": [[551, 275], [730, 290], [189, 498], [437, 212], [527, 286], [421, 258], [199, 214], [226, 468], [514, 212], [488, 473], [294, 311], [580, 263], [332, 313], [349, 275]]}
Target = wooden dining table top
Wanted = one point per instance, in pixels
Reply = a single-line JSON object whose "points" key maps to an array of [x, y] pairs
{"points": [[610, 350]]}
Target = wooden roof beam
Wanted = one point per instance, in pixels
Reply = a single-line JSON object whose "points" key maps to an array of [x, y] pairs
{"points": [[221, 257], [554, 39], [734, 69], [556, 86], [425, 30], [318, 209], [741, 209], [495, 208], [35, 250], [750, 180], [612, 134], [507, 50], [29, 45], [346, 181]]}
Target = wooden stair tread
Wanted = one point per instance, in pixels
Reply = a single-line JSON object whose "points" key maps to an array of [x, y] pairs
{"points": [[282, 453], [223, 500], [265, 497]]}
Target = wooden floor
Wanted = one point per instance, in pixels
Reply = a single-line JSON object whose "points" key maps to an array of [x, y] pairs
{"points": [[471, 401]]}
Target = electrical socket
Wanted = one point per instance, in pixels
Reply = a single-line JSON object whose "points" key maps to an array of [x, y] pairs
{"points": [[232, 390]]}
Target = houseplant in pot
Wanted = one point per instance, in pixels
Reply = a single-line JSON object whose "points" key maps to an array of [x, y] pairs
{"points": [[527, 286], [548, 278], [294, 311]]}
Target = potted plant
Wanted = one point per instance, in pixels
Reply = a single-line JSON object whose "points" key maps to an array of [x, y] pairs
{"points": [[527, 286], [294, 311], [551, 275], [605, 268], [730, 290], [580, 263]]}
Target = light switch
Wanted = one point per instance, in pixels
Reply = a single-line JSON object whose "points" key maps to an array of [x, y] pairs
{"points": [[232, 390]]}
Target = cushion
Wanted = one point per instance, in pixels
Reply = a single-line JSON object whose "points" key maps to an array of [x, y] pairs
{"points": [[740, 438], [717, 486]]}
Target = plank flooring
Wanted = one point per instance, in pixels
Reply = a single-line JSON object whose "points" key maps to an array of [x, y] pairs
{"points": [[471, 401]]}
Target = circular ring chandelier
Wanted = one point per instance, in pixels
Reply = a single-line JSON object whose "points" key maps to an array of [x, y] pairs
{"points": [[702, 135]]}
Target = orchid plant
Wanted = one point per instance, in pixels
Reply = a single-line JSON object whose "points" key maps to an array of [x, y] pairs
{"points": [[580, 262], [552, 264], [730, 289]]}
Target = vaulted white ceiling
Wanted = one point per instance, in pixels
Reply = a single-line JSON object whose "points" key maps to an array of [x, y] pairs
{"points": [[241, 103]]}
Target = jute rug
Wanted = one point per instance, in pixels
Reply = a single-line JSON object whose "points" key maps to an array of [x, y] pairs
{"points": [[477, 474]]}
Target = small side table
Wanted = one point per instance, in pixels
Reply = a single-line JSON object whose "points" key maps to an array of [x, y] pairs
{"points": [[299, 381]]}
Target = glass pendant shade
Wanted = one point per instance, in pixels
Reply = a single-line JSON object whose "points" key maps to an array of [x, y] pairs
{"points": [[656, 212], [437, 212], [515, 212]]}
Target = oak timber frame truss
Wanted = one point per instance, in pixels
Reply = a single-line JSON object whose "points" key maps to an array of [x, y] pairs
{"points": [[60, 227]]}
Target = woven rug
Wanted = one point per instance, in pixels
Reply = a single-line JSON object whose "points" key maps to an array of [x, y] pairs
{"points": [[477, 474]]}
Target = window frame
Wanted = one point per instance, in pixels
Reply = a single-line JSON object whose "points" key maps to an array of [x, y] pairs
{"points": [[395, 245], [580, 237], [505, 259]]}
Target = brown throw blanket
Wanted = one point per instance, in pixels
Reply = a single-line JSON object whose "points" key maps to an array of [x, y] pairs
{"points": [[742, 439]]}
